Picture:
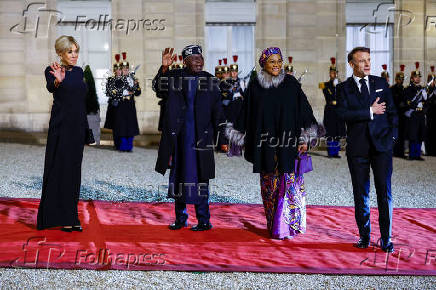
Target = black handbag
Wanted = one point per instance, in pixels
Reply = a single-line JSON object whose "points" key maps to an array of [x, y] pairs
{"points": [[89, 137]]}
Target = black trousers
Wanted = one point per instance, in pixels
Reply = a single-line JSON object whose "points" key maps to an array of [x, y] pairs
{"points": [[381, 164], [416, 127], [399, 143], [201, 211]]}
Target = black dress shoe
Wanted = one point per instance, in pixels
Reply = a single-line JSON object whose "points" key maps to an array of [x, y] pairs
{"points": [[77, 229], [201, 227], [361, 244], [177, 225], [68, 230], [420, 158], [389, 248]]}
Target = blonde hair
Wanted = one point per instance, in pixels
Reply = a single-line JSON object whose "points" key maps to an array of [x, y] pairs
{"points": [[64, 43]]}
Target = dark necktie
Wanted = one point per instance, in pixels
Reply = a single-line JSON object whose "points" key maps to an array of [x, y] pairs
{"points": [[364, 90]]}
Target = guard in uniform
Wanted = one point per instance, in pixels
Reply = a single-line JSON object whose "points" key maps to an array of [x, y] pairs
{"points": [[235, 107], [400, 104], [416, 97], [114, 94], [125, 125], [289, 68], [226, 97], [430, 144], [219, 70], [226, 70], [385, 74], [335, 126]]}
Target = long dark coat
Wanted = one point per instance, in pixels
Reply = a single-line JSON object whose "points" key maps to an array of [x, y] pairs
{"points": [[430, 145], [416, 125], [401, 106], [171, 88], [274, 118], [64, 151], [334, 125], [122, 118]]}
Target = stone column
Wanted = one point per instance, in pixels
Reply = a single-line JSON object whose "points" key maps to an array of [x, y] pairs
{"points": [[24, 53], [310, 31], [415, 41], [181, 23]]}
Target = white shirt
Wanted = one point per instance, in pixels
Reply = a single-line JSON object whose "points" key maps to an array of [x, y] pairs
{"points": [[357, 80]]}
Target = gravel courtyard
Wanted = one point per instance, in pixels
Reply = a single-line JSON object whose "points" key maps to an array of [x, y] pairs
{"points": [[111, 175]]}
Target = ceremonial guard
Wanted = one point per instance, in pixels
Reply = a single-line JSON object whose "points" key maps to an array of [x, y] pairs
{"points": [[400, 103], [235, 91], [430, 145], [112, 93], [289, 68], [226, 97], [385, 74], [225, 70], [123, 120], [416, 97], [335, 126], [219, 70]]}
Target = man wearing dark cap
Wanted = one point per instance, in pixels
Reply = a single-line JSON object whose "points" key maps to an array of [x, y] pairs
{"points": [[365, 103], [193, 112]]}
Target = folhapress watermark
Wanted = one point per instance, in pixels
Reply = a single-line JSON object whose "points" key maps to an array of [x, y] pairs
{"points": [[37, 18]]}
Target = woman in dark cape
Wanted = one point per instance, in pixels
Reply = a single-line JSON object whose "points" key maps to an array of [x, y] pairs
{"points": [[276, 126]]}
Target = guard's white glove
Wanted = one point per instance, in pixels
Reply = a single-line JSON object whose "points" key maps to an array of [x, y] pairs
{"points": [[242, 84], [335, 82], [424, 94], [125, 92], [130, 81], [236, 95]]}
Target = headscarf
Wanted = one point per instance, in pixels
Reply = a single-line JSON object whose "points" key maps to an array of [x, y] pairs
{"points": [[267, 52], [191, 50]]}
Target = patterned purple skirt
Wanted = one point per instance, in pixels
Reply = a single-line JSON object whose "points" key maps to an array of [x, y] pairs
{"points": [[234, 150], [284, 200]]}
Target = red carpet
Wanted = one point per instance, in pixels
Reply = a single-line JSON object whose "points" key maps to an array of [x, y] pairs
{"points": [[134, 236]]}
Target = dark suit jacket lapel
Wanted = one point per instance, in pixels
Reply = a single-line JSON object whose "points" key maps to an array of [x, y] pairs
{"points": [[372, 89], [355, 89]]}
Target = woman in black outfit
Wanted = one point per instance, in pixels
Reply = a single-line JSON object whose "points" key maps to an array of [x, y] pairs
{"points": [[66, 139]]}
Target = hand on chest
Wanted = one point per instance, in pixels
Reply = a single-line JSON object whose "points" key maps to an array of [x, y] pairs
{"points": [[358, 98]]}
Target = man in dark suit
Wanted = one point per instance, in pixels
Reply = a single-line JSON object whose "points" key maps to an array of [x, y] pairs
{"points": [[193, 112], [365, 103]]}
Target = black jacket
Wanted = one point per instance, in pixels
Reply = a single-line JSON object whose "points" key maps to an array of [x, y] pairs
{"points": [[274, 118], [399, 97], [354, 110], [334, 125], [171, 87]]}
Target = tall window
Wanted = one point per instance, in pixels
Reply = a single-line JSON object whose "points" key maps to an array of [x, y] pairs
{"points": [[95, 44], [226, 40], [379, 39]]}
